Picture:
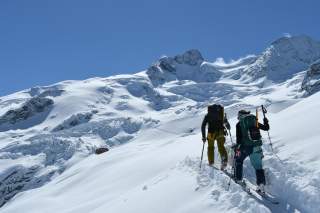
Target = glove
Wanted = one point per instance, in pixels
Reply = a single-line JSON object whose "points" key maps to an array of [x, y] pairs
{"points": [[204, 140], [237, 152], [225, 132], [265, 120]]}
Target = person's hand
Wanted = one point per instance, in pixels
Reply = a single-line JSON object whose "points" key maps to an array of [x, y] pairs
{"points": [[265, 120], [237, 152], [225, 132], [204, 140]]}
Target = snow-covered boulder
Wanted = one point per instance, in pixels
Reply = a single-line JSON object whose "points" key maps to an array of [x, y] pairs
{"points": [[311, 82], [284, 58], [15, 118], [188, 66]]}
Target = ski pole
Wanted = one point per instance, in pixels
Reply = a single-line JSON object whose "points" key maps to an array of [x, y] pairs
{"points": [[264, 111], [202, 154], [225, 115], [233, 168], [230, 136]]}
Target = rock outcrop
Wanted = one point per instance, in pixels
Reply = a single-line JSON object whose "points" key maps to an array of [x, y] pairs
{"points": [[311, 82]]}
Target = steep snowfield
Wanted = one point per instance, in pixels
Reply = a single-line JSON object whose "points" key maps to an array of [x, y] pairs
{"points": [[150, 122], [159, 172]]}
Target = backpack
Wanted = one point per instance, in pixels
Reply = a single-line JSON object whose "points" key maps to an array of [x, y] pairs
{"points": [[250, 130], [216, 116]]}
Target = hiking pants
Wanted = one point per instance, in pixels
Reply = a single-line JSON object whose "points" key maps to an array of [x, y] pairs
{"points": [[219, 137], [256, 155]]}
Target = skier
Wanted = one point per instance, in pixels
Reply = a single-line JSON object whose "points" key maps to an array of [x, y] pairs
{"points": [[217, 129], [249, 142]]}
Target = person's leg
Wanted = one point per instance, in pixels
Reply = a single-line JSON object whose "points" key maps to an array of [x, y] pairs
{"points": [[256, 161], [240, 156], [222, 150], [211, 148]]}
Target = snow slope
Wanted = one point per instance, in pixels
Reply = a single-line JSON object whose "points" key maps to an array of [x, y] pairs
{"points": [[150, 122], [161, 174]]}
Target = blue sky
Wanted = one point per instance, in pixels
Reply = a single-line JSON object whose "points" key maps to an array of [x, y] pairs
{"points": [[46, 41]]}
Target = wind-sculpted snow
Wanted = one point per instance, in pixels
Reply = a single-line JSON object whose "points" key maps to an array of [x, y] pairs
{"points": [[311, 82], [33, 112]]}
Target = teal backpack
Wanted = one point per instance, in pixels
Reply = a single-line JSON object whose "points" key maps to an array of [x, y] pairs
{"points": [[250, 130]]}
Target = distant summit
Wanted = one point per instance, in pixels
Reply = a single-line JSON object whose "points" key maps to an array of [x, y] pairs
{"points": [[187, 66], [285, 57]]}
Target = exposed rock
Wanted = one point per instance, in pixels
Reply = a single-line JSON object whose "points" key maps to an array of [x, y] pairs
{"points": [[101, 150], [192, 57], [167, 63], [311, 81], [29, 109], [16, 180]]}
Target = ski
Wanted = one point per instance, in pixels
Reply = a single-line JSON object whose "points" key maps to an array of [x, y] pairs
{"points": [[265, 196], [268, 197]]}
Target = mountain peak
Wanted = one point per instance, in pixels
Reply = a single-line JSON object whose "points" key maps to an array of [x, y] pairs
{"points": [[285, 57], [187, 66]]}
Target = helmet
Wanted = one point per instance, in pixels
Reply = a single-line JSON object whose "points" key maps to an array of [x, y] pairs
{"points": [[243, 112]]}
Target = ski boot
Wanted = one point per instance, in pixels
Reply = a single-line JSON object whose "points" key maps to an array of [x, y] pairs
{"points": [[261, 189], [224, 165]]}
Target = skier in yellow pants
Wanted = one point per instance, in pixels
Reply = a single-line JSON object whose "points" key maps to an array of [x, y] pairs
{"points": [[216, 132]]}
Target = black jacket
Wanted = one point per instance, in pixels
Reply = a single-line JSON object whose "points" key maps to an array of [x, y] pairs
{"points": [[265, 126], [211, 126]]}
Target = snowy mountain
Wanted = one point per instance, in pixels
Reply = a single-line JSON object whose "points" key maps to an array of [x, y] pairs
{"points": [[150, 122], [285, 57]]}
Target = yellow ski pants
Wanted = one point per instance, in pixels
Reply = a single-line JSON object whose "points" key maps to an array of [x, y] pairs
{"points": [[219, 137]]}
